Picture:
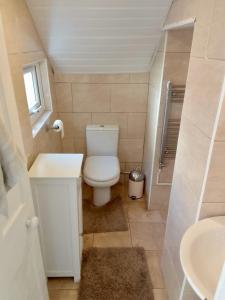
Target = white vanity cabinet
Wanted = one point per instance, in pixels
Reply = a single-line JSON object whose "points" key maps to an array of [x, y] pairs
{"points": [[57, 193]]}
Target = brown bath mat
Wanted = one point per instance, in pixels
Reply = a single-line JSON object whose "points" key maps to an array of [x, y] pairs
{"points": [[115, 273], [108, 218]]}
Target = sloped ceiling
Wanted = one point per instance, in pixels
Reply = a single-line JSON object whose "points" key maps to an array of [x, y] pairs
{"points": [[99, 36]]}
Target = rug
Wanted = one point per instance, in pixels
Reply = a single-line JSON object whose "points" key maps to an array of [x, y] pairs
{"points": [[108, 218], [115, 274]]}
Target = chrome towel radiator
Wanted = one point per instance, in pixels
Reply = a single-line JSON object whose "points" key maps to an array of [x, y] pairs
{"points": [[171, 127]]}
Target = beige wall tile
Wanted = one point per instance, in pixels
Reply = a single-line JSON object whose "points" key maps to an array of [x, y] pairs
{"points": [[212, 210], [112, 118], [129, 97], [109, 78], [202, 94], [68, 145], [215, 187], [92, 78], [64, 100], [91, 98], [179, 40], [130, 150], [220, 133], [160, 196], [104, 78], [136, 125], [80, 146], [80, 122], [139, 78], [200, 40], [176, 67], [20, 32], [172, 283], [216, 44], [132, 165], [191, 158]]}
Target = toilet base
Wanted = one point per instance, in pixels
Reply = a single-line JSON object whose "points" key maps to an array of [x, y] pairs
{"points": [[102, 195]]}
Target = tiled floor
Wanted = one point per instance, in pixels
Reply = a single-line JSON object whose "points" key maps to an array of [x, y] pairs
{"points": [[146, 229]]}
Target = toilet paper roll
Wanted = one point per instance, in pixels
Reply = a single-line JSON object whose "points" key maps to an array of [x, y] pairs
{"points": [[58, 127]]}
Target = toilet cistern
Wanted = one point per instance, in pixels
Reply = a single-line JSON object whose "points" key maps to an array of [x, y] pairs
{"points": [[102, 168]]}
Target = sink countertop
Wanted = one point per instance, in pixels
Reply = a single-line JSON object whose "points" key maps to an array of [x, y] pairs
{"points": [[57, 165]]}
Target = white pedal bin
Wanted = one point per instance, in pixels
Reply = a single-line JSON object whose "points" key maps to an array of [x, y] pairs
{"points": [[136, 184]]}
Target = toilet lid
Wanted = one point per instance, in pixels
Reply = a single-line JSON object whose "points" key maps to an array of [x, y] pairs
{"points": [[101, 168]]}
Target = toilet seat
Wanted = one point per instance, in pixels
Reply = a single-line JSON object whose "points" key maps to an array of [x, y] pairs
{"points": [[100, 169]]}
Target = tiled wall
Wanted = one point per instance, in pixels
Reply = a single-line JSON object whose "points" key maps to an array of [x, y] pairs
{"points": [[110, 99], [172, 63], [24, 47], [192, 181]]}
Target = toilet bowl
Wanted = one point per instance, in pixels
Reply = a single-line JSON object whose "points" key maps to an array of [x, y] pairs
{"points": [[102, 168], [101, 172]]}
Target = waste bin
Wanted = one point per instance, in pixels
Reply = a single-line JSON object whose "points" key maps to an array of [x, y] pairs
{"points": [[136, 184]]}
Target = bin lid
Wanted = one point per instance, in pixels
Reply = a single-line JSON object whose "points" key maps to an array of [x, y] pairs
{"points": [[136, 175]]}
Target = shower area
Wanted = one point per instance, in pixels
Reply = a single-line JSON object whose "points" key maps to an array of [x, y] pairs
{"points": [[174, 97], [167, 90]]}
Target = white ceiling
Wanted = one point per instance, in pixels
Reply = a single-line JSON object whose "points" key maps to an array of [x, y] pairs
{"points": [[99, 36]]}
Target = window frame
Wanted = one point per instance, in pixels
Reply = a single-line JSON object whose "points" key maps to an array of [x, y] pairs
{"points": [[36, 111]]}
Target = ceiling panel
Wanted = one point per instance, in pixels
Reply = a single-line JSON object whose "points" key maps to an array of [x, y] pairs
{"points": [[99, 36]]}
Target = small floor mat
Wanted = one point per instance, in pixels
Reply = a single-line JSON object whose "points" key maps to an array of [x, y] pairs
{"points": [[107, 218], [115, 273]]}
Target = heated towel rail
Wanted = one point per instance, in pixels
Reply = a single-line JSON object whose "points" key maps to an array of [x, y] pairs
{"points": [[171, 127]]}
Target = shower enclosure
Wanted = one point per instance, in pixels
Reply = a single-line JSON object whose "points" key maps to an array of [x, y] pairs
{"points": [[166, 97]]}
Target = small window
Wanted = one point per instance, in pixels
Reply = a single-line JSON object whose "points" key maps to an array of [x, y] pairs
{"points": [[32, 89], [38, 92]]}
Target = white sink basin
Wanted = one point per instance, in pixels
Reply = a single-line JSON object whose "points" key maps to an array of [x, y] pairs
{"points": [[202, 254]]}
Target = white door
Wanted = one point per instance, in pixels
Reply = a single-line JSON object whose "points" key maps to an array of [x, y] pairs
{"points": [[21, 269]]}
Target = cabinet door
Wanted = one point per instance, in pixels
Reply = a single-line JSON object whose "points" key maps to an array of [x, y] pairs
{"points": [[54, 201]]}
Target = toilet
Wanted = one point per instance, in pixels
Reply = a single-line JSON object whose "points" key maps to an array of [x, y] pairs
{"points": [[102, 168]]}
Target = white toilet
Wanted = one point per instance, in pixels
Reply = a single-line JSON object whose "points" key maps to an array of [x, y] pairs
{"points": [[102, 168]]}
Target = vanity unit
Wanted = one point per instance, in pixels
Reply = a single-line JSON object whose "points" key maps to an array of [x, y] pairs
{"points": [[56, 187]]}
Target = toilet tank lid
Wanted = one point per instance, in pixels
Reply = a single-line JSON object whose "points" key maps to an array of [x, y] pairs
{"points": [[102, 127]]}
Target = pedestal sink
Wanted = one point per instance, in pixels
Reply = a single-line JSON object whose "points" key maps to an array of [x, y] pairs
{"points": [[202, 254]]}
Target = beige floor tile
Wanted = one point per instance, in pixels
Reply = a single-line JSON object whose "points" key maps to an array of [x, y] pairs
{"points": [[147, 235], [64, 283], [137, 212], [88, 240], [160, 294], [63, 294], [54, 283], [155, 270], [118, 190], [69, 284], [112, 239]]}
